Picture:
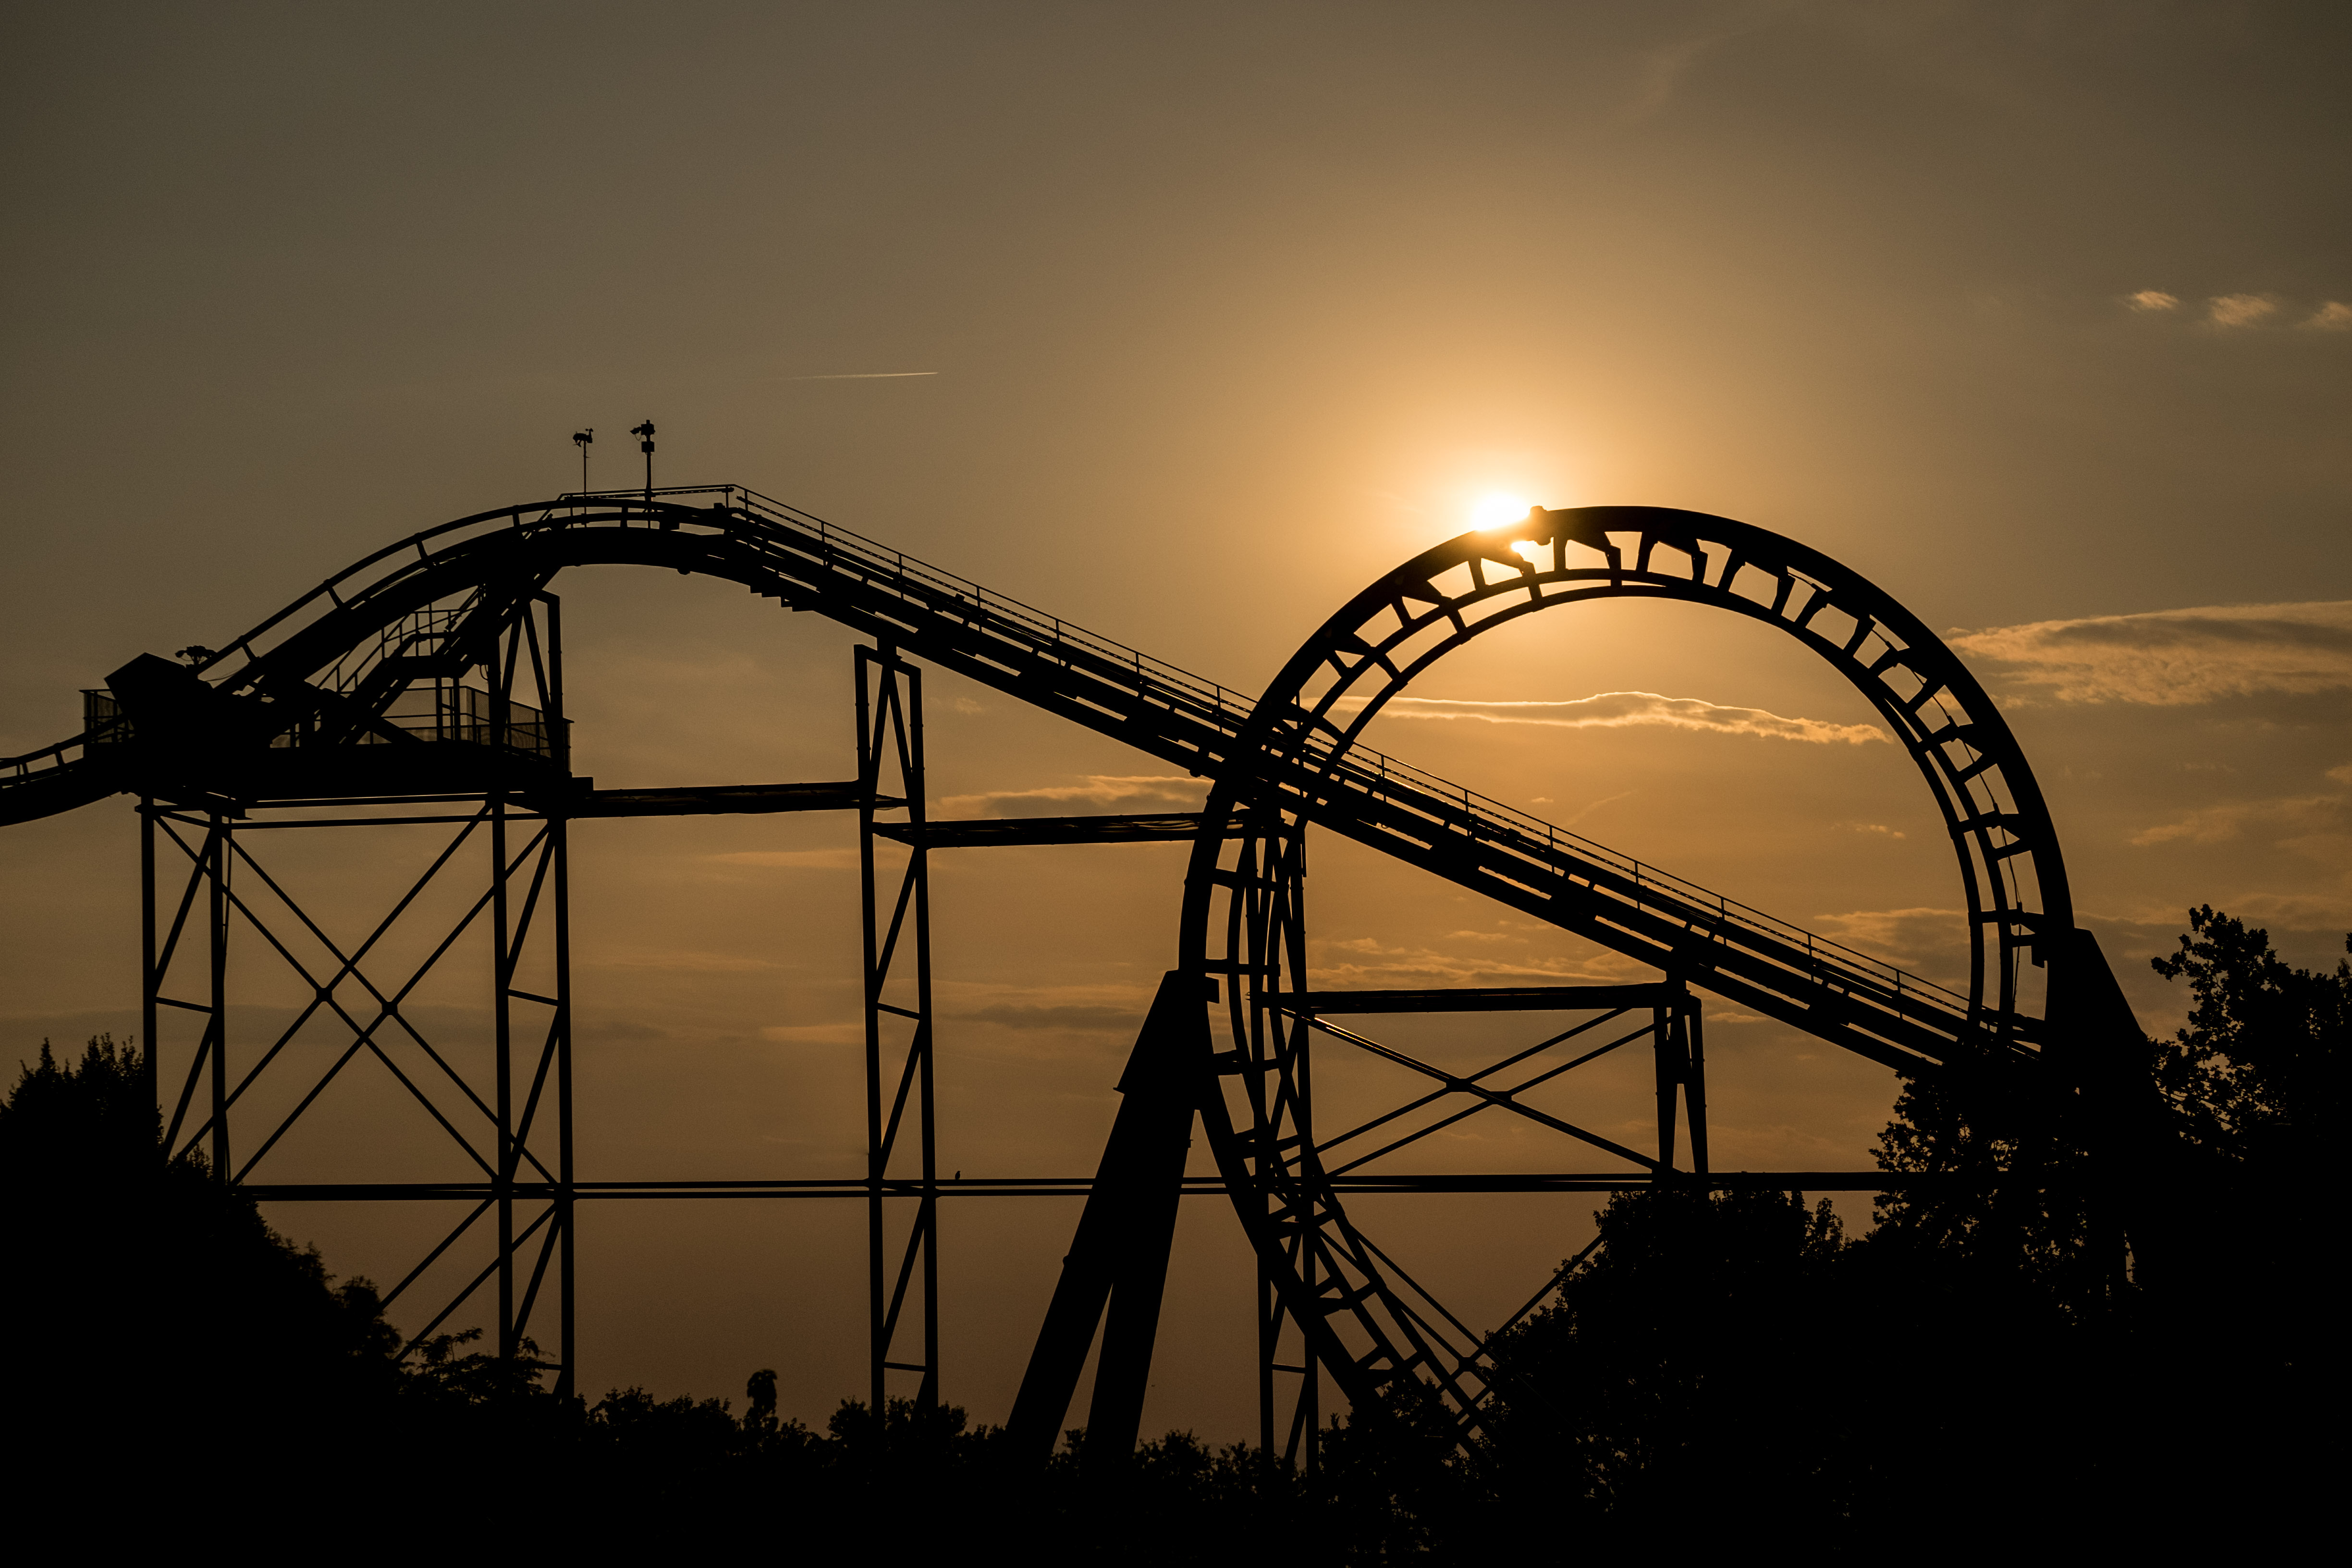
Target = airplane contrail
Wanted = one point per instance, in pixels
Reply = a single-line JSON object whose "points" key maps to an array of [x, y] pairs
{"points": [[865, 375]]}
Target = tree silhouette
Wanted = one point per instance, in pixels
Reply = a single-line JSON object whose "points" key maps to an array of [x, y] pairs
{"points": [[1980, 1371], [2255, 1076], [147, 1296]]}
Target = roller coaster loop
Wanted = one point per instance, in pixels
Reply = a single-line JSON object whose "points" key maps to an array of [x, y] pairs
{"points": [[423, 687]]}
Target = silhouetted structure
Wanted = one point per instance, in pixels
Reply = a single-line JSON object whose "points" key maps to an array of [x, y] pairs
{"points": [[353, 707]]}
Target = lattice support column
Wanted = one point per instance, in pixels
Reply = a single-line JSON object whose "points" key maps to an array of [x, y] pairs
{"points": [[896, 910], [206, 875]]}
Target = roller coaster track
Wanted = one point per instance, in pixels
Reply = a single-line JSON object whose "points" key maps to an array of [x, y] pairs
{"points": [[431, 605]]}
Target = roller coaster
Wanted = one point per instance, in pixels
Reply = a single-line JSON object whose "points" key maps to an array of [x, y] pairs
{"points": [[424, 686]]}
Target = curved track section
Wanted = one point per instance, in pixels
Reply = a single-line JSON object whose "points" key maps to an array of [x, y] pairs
{"points": [[332, 663], [1364, 1318], [311, 686]]}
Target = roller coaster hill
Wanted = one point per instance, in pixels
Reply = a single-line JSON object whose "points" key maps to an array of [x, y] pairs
{"points": [[424, 686]]}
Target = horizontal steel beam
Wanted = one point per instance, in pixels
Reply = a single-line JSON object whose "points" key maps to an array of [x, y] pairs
{"points": [[1079, 1186], [712, 800], [972, 833], [1485, 999]]}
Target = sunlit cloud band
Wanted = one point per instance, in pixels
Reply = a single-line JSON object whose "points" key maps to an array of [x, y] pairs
{"points": [[2171, 657], [1624, 710], [1170, 792]]}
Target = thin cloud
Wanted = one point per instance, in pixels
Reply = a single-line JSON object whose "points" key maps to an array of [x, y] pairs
{"points": [[2240, 309], [698, 963], [2174, 657], [1176, 792], [2324, 912], [865, 375], [1589, 806], [1079, 1015], [1051, 1009], [846, 1032], [2153, 300], [1362, 962], [1930, 943], [1624, 710], [2335, 316], [1663, 69], [2315, 820]]}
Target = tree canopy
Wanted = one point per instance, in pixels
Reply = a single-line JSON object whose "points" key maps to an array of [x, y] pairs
{"points": [[1982, 1367]]}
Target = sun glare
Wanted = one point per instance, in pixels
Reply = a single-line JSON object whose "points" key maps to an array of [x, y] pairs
{"points": [[1496, 509]]}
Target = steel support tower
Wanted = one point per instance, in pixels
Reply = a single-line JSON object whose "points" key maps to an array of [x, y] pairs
{"points": [[420, 692]]}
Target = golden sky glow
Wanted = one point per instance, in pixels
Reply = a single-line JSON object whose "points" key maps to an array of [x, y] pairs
{"points": [[1184, 323]]}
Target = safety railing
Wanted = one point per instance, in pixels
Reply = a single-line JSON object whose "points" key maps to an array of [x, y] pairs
{"points": [[447, 710], [995, 623], [1451, 807], [1394, 782]]}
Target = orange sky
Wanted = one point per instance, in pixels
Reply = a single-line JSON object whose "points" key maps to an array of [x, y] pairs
{"points": [[2035, 314]]}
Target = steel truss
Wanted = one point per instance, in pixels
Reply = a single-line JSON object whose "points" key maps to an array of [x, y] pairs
{"points": [[350, 709], [1329, 1296], [897, 1032], [502, 1128]]}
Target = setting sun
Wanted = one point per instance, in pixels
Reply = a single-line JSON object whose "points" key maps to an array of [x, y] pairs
{"points": [[1496, 509]]}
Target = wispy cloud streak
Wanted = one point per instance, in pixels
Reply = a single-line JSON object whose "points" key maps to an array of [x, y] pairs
{"points": [[1623, 710], [2173, 658], [1175, 791], [2240, 309]]}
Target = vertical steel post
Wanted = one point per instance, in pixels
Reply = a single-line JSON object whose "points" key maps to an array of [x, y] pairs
{"points": [[149, 981], [1663, 1038], [1695, 1086], [927, 1223], [567, 1378], [891, 734], [1291, 886], [1269, 1341], [502, 978], [217, 924], [869, 769], [501, 716]]}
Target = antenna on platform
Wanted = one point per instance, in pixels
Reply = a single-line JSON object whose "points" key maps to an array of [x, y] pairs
{"points": [[584, 439], [647, 446]]}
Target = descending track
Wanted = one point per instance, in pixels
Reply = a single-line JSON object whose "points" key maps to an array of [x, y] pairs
{"points": [[336, 659], [333, 700]]}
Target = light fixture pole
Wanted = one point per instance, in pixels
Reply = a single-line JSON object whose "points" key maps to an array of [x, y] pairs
{"points": [[584, 439], [647, 446]]}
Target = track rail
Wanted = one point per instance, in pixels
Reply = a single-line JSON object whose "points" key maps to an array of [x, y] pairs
{"points": [[432, 601]]}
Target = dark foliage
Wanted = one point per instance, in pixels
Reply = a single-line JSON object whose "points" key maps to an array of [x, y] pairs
{"points": [[144, 1291], [1727, 1370], [1730, 1368], [2255, 1078]]}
